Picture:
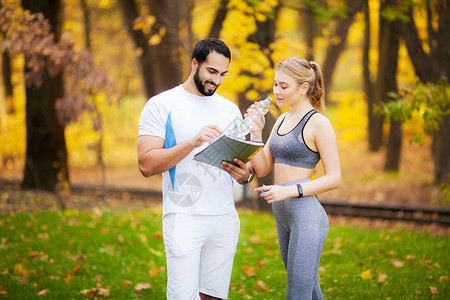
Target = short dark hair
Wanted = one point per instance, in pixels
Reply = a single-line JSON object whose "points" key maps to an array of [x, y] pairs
{"points": [[204, 47]]}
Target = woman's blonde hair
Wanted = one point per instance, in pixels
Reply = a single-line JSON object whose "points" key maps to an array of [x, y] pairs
{"points": [[303, 71]]}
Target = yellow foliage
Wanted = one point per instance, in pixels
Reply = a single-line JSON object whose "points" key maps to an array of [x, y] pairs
{"points": [[105, 4], [349, 117], [405, 69], [252, 95], [260, 17], [154, 40]]}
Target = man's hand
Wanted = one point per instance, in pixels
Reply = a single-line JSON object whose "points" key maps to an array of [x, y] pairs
{"points": [[207, 134], [240, 173]]}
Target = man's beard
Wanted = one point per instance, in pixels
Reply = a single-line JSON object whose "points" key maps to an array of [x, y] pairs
{"points": [[201, 86]]}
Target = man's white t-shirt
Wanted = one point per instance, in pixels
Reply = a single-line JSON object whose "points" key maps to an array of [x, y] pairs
{"points": [[191, 187]]}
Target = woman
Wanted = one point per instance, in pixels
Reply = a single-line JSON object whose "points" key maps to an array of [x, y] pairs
{"points": [[299, 139]]}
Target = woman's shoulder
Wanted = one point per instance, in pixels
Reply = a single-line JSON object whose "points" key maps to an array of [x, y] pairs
{"points": [[320, 121]]}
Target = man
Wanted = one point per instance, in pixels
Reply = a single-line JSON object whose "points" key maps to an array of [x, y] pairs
{"points": [[200, 223]]}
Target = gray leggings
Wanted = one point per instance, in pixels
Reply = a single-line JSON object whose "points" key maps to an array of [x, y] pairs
{"points": [[302, 226]]}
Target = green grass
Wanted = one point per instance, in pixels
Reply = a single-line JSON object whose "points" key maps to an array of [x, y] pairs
{"points": [[72, 252]]}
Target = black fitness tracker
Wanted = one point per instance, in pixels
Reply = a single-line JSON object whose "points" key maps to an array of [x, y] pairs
{"points": [[300, 190]]}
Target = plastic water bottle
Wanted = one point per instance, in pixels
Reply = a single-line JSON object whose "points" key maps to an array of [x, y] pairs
{"points": [[262, 107]]}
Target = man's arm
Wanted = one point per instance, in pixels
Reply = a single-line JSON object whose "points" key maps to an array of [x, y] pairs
{"points": [[153, 158]]}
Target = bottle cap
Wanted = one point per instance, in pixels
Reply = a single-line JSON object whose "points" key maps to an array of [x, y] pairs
{"points": [[270, 99]]}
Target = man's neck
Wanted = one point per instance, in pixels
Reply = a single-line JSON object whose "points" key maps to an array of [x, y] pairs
{"points": [[189, 86]]}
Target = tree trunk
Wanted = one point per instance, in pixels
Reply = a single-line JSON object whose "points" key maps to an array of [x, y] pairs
{"points": [[309, 31], [130, 12], [87, 24], [423, 64], [388, 45], [368, 85], [165, 56], [185, 21], [7, 84], [441, 152], [217, 24], [335, 48], [46, 155], [441, 139]]}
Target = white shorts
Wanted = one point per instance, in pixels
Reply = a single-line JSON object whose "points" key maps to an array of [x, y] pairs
{"points": [[199, 251]]}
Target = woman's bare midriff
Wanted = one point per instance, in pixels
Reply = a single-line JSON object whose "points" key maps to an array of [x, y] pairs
{"points": [[284, 173]]}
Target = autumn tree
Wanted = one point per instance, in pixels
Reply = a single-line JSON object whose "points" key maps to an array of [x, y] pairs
{"points": [[431, 61], [344, 18], [431, 66], [48, 108], [157, 43], [46, 153]]}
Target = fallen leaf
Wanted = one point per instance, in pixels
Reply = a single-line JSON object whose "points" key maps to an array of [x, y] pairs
{"points": [[126, 283], [3, 291], [155, 252], [103, 292], [68, 278], [410, 257], [262, 263], [43, 236], [35, 254], [443, 278], [43, 292], [120, 238], [249, 271], [381, 277], [18, 269], [76, 269], [142, 286], [261, 285], [367, 274], [397, 263], [4, 244], [153, 272], [255, 240], [143, 238], [434, 290], [94, 292], [157, 235]]}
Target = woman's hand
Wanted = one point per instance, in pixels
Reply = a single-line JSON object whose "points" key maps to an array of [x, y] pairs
{"points": [[255, 119], [276, 193]]}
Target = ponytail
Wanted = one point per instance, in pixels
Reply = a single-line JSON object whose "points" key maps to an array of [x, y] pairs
{"points": [[317, 89]]}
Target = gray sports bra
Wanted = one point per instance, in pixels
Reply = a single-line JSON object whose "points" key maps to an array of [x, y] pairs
{"points": [[291, 149]]}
